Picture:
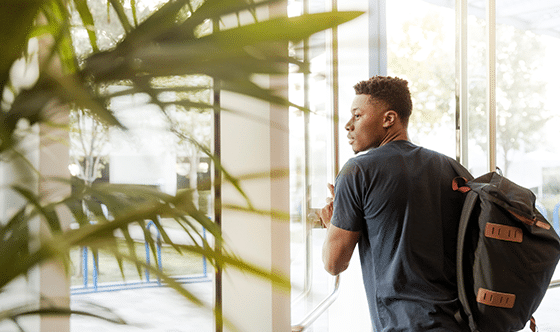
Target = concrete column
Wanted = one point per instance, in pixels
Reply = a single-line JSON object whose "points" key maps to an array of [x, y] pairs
{"points": [[249, 146], [15, 170], [53, 160], [54, 282], [44, 148]]}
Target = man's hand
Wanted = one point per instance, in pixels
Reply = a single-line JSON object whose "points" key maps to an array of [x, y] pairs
{"points": [[339, 243], [326, 213]]}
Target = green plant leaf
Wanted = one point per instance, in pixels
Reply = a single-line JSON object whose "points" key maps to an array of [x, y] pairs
{"points": [[168, 43], [119, 9], [87, 19], [56, 14], [14, 239], [45, 211], [15, 313], [277, 30], [157, 24], [17, 17], [131, 249]]}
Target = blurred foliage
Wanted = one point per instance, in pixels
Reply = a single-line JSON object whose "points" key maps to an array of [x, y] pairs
{"points": [[180, 39], [423, 52]]}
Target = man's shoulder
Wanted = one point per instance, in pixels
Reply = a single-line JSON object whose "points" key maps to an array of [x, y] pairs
{"points": [[398, 152], [424, 152]]}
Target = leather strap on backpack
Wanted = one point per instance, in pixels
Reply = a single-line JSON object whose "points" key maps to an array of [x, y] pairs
{"points": [[533, 324], [468, 206]]}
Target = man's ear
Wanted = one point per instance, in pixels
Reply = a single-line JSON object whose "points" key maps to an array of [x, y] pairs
{"points": [[390, 118]]}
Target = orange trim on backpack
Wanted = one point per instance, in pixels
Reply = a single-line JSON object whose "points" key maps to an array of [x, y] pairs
{"points": [[460, 187], [533, 324], [495, 299], [531, 222], [503, 232]]}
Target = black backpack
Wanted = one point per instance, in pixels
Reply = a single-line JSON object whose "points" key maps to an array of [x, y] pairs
{"points": [[507, 253]]}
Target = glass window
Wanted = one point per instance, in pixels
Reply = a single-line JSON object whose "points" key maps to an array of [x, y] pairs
{"points": [[310, 162], [528, 117], [527, 107], [477, 91], [147, 154], [421, 49]]}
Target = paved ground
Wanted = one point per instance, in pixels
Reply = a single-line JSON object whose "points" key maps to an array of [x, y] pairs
{"points": [[146, 310], [162, 310], [548, 314]]}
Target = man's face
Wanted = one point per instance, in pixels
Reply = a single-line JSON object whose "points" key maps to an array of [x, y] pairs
{"points": [[365, 128]]}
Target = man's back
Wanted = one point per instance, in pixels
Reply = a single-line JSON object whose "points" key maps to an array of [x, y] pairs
{"points": [[399, 197]]}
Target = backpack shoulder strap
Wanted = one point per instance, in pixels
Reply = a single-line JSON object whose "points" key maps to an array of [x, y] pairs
{"points": [[468, 206], [461, 170]]}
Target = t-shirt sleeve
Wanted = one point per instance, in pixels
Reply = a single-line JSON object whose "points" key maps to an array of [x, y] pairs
{"points": [[348, 208]]}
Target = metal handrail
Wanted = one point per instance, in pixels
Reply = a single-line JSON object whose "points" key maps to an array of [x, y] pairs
{"points": [[323, 306], [554, 283], [308, 279], [319, 309]]}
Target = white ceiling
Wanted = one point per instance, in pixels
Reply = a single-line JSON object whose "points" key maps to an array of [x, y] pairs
{"points": [[539, 16]]}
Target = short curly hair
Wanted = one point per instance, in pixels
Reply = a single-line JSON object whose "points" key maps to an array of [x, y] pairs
{"points": [[391, 90]]}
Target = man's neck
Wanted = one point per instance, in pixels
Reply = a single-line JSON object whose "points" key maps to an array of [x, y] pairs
{"points": [[397, 135]]}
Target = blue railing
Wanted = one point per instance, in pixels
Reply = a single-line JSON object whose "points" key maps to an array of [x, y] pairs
{"points": [[95, 286], [555, 222], [555, 218], [158, 252]]}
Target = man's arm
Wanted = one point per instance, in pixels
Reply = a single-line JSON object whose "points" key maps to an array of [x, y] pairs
{"points": [[339, 243], [338, 248]]}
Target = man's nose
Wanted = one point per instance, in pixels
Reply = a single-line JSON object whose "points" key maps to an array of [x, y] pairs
{"points": [[349, 125]]}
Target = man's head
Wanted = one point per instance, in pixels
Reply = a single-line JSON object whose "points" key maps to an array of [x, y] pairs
{"points": [[393, 91], [380, 113]]}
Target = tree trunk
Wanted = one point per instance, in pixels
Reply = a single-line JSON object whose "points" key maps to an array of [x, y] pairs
{"points": [[194, 160]]}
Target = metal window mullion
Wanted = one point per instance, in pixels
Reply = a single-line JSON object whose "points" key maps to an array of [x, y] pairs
{"points": [[217, 189], [377, 37], [491, 81], [461, 82], [308, 239], [332, 45]]}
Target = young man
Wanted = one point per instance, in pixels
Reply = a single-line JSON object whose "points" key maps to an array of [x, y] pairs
{"points": [[396, 201]]}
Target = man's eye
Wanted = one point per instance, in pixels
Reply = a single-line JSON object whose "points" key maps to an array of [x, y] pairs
{"points": [[356, 115]]}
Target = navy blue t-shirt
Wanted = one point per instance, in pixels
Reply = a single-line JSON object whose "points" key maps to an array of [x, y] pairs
{"points": [[399, 196]]}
